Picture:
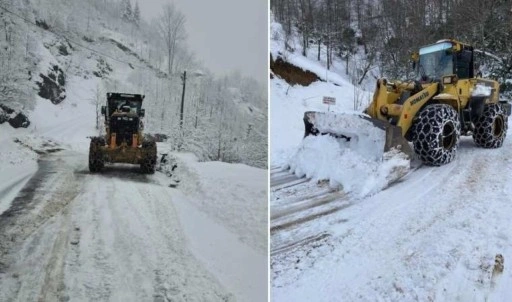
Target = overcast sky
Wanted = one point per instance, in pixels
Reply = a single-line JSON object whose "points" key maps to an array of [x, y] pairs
{"points": [[225, 35]]}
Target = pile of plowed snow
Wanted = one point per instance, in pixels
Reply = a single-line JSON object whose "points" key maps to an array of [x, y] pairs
{"points": [[358, 166]]}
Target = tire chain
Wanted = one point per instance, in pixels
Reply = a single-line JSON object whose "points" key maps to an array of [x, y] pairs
{"points": [[483, 135], [428, 132]]}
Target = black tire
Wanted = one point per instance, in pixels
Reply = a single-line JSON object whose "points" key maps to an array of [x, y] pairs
{"points": [[491, 127], [96, 160], [436, 133], [148, 163]]}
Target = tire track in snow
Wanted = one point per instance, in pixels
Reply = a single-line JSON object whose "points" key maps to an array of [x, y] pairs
{"points": [[297, 206], [103, 237], [137, 245], [170, 287], [30, 241], [428, 225], [298, 203]]}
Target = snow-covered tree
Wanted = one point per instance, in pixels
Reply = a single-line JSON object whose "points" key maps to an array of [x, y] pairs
{"points": [[172, 30], [136, 14], [16, 65], [127, 13], [216, 114]]}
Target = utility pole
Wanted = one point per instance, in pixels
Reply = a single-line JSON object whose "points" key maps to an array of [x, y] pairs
{"points": [[184, 79]]}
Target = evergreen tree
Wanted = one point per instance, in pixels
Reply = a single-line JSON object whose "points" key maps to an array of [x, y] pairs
{"points": [[127, 11], [136, 14]]}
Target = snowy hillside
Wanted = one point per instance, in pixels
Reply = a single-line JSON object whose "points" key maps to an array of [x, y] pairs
{"points": [[68, 234], [289, 102], [92, 46], [440, 234]]}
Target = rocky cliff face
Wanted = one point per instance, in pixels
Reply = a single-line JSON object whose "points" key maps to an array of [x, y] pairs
{"points": [[52, 85], [15, 119]]}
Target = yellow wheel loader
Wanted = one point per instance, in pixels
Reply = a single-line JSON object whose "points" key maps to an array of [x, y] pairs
{"points": [[124, 141], [446, 101]]}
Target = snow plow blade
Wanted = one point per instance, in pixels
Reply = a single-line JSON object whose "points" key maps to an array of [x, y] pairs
{"points": [[357, 126]]}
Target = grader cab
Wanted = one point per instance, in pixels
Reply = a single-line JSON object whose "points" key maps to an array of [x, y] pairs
{"points": [[124, 141]]}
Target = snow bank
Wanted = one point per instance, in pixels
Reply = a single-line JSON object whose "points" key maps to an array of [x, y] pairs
{"points": [[288, 105], [229, 261], [343, 164], [222, 203], [18, 164], [235, 195], [365, 139]]}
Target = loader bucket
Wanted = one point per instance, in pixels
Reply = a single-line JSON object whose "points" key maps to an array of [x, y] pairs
{"points": [[373, 133]]}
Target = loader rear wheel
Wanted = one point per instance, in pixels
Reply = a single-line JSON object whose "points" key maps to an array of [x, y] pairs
{"points": [[148, 162], [96, 161], [491, 127], [436, 133]]}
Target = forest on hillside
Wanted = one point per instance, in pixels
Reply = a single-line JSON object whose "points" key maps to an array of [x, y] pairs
{"points": [[382, 34], [225, 116]]}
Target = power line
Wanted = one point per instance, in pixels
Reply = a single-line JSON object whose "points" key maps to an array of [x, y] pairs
{"points": [[72, 41]]}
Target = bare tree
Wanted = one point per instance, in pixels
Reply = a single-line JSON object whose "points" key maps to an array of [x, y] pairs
{"points": [[172, 30]]}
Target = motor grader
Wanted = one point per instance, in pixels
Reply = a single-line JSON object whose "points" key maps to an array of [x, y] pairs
{"points": [[447, 100], [124, 141]]}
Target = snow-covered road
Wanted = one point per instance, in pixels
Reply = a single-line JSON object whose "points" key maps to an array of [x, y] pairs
{"points": [[114, 236], [117, 236], [432, 237]]}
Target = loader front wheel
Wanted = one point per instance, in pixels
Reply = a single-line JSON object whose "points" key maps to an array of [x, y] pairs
{"points": [[147, 165], [491, 127], [96, 161], [436, 133]]}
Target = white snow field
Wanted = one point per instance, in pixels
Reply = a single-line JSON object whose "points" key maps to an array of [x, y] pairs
{"points": [[119, 235], [433, 236]]}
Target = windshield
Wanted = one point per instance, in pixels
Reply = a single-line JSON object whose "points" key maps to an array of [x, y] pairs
{"points": [[436, 61], [124, 105]]}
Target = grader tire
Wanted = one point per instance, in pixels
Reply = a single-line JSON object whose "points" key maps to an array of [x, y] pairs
{"points": [[491, 127], [147, 166], [436, 133], [96, 161]]}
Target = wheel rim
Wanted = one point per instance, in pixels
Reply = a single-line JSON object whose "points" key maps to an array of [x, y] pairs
{"points": [[448, 136], [497, 126]]}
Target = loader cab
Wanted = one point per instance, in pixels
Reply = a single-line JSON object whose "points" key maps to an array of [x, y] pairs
{"points": [[446, 57]]}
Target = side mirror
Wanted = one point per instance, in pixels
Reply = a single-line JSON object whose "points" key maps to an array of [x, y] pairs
{"points": [[142, 112], [415, 57], [103, 110]]}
